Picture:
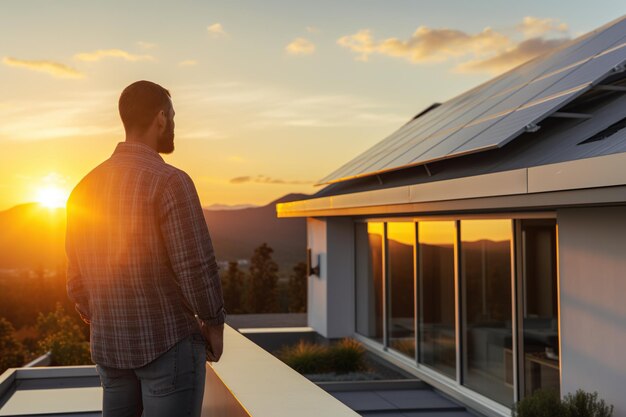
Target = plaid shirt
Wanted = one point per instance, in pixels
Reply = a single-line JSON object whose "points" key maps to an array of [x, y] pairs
{"points": [[140, 259]]}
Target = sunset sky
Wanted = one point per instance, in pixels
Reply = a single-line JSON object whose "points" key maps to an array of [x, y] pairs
{"points": [[270, 96]]}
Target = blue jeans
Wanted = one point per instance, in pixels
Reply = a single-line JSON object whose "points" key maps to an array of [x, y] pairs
{"points": [[170, 385]]}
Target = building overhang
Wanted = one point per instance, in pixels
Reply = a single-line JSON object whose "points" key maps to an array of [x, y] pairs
{"points": [[591, 181]]}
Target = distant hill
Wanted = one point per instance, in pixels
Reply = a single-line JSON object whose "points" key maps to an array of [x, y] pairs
{"points": [[229, 207], [236, 233], [33, 236]]}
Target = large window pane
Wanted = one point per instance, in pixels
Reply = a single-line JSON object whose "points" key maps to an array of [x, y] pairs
{"points": [[436, 296], [400, 247], [540, 310], [486, 301], [369, 280]]}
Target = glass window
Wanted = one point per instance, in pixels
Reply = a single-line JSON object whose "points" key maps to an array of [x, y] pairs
{"points": [[387, 255], [401, 284], [436, 296], [486, 301], [369, 280], [539, 306]]}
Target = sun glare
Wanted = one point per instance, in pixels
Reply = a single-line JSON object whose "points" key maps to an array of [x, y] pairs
{"points": [[51, 197]]}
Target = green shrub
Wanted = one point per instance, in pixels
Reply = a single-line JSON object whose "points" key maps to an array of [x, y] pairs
{"points": [[12, 353], [306, 358], [584, 404], [542, 403], [344, 356], [546, 403], [61, 334]]}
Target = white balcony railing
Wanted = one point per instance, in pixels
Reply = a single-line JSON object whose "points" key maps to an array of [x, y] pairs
{"points": [[247, 381], [251, 382]]}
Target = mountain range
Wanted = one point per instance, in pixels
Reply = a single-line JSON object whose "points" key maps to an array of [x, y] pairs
{"points": [[32, 236]]}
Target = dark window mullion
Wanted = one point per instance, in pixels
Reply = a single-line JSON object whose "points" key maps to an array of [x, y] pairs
{"points": [[386, 303], [458, 302], [417, 291]]}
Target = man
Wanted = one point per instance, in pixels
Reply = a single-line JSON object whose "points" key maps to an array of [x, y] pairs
{"points": [[141, 268]]}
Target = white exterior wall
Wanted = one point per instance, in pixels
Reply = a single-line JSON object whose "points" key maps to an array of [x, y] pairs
{"points": [[316, 291], [330, 297], [592, 268]]}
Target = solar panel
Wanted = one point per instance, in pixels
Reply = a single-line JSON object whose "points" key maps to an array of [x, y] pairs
{"points": [[498, 111]]}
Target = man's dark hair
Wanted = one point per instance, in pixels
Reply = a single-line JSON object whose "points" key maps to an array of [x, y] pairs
{"points": [[140, 102]]}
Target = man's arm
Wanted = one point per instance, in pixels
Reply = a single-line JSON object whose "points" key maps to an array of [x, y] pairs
{"points": [[76, 290], [188, 243]]}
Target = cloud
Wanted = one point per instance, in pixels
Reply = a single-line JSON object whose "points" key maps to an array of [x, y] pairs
{"points": [[216, 29], [488, 51], [188, 63], [312, 29], [300, 46], [111, 53], [426, 44], [240, 180], [85, 114], [147, 45], [262, 179], [518, 54], [50, 67], [532, 27]]}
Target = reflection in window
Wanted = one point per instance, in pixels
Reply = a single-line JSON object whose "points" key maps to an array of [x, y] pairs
{"points": [[369, 280], [436, 296], [540, 310], [400, 247], [486, 301]]}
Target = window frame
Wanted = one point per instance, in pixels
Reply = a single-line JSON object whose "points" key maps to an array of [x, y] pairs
{"points": [[517, 295]]}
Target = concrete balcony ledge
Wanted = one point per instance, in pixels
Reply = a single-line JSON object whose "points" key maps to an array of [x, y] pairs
{"points": [[249, 381]]}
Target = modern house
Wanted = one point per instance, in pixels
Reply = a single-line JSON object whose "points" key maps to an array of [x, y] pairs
{"points": [[482, 246]]}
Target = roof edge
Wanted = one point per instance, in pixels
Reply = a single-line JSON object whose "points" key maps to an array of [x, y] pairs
{"points": [[600, 171]]}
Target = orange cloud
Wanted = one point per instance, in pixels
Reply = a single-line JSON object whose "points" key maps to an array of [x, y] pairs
{"points": [[533, 27], [520, 53], [49, 67], [216, 29], [111, 53], [147, 45], [262, 179], [188, 63], [426, 44], [488, 51], [300, 46]]}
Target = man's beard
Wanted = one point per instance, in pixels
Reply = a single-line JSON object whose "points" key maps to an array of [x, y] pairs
{"points": [[165, 143]]}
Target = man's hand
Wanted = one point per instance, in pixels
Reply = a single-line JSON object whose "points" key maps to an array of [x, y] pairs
{"points": [[81, 311], [214, 336]]}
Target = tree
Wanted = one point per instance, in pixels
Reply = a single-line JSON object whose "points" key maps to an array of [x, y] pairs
{"points": [[62, 335], [262, 296], [297, 288], [12, 353], [233, 288]]}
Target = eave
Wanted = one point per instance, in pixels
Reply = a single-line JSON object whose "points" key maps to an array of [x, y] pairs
{"points": [[597, 180]]}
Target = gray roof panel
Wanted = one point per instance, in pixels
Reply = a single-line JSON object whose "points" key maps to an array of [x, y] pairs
{"points": [[559, 140]]}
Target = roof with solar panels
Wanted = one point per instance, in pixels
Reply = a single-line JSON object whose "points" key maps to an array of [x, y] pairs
{"points": [[566, 105]]}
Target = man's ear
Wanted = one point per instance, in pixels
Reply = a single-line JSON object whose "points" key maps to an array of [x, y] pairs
{"points": [[161, 119]]}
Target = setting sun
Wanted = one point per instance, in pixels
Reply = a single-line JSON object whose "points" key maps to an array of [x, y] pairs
{"points": [[52, 197]]}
